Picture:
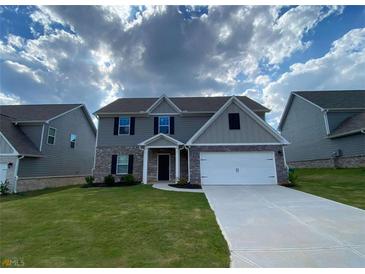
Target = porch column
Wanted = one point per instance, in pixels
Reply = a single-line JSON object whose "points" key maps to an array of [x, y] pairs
{"points": [[177, 162], [145, 165]]}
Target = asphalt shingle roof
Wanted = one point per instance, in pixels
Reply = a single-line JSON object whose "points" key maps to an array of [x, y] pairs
{"points": [[35, 112], [17, 138], [354, 123], [333, 99], [184, 103]]}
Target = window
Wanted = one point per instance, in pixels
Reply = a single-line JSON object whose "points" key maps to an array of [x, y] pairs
{"points": [[164, 124], [234, 120], [124, 125], [51, 139], [122, 164], [73, 138]]}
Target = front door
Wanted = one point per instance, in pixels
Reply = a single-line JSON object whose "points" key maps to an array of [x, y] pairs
{"points": [[163, 167]]}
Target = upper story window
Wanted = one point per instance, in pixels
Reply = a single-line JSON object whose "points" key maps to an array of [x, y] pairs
{"points": [[164, 124], [122, 164], [124, 125], [51, 138], [73, 138], [234, 120]]}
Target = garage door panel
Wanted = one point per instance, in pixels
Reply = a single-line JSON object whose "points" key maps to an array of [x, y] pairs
{"points": [[238, 168]]}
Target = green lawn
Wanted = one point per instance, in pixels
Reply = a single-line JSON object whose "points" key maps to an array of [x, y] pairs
{"points": [[342, 185], [111, 227]]}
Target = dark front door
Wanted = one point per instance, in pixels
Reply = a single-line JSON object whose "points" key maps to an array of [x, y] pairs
{"points": [[163, 167]]}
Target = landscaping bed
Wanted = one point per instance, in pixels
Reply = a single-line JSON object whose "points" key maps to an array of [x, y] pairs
{"points": [[188, 186]]}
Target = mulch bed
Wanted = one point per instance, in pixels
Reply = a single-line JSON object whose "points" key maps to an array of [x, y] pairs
{"points": [[189, 186]]}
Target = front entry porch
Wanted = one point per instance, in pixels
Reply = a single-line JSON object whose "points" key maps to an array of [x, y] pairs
{"points": [[164, 160]]}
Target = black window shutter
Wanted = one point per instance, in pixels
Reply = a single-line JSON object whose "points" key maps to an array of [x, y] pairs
{"points": [[155, 126], [114, 164], [133, 121], [234, 120], [116, 125], [130, 164], [172, 125]]}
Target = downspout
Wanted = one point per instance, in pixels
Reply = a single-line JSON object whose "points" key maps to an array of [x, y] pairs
{"points": [[16, 172], [188, 149]]}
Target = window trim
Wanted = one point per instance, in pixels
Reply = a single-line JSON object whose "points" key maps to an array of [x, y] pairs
{"points": [[71, 140], [54, 137], [129, 125], [117, 163], [168, 126], [239, 120]]}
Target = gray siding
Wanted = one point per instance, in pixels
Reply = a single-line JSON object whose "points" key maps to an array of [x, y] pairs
{"points": [[250, 131], [185, 127], [164, 107], [33, 132], [161, 142], [336, 118], [60, 159], [4, 146], [304, 128]]}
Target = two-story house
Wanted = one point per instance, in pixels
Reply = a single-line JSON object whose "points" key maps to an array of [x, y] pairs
{"points": [[325, 128], [45, 145], [206, 140]]}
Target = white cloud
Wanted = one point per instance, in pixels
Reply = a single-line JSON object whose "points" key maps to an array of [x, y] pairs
{"points": [[342, 67], [9, 99], [23, 69]]}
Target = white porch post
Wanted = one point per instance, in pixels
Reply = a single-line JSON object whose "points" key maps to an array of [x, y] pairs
{"points": [[177, 162], [145, 165]]}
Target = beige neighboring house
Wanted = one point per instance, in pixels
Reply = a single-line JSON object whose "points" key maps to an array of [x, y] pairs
{"points": [[45, 145]]}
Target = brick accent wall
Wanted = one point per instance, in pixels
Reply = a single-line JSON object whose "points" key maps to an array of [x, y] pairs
{"points": [[152, 174], [339, 162], [28, 184], [282, 173], [103, 161]]}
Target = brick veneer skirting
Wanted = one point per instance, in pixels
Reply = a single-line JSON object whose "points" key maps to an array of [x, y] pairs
{"points": [[28, 184], [282, 173], [339, 162], [104, 160]]}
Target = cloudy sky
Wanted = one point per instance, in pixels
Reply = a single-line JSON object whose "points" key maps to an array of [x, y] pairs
{"points": [[95, 54]]}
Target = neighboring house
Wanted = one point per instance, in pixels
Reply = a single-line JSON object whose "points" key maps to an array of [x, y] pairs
{"points": [[45, 145], [206, 140], [325, 128]]}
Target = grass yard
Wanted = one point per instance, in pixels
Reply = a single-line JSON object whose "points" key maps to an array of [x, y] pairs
{"points": [[111, 227], [342, 185]]}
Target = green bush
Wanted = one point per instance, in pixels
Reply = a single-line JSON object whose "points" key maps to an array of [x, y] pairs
{"points": [[182, 181], [109, 180], [89, 180], [4, 188], [127, 179], [292, 177]]}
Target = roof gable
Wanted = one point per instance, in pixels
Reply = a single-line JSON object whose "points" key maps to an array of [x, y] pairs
{"points": [[252, 118], [160, 140], [163, 105]]}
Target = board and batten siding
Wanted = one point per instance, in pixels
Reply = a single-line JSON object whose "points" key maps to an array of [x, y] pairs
{"points": [[60, 159], [163, 107], [304, 128], [4, 146], [185, 127], [250, 131]]}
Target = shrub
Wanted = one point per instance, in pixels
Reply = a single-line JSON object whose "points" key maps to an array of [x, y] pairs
{"points": [[182, 181], [292, 177], [89, 180], [109, 180], [4, 188], [127, 179]]}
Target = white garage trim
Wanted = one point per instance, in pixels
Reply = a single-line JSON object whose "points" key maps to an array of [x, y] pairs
{"points": [[238, 168]]}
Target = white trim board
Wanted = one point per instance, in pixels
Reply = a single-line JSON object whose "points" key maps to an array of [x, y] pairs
{"points": [[243, 107]]}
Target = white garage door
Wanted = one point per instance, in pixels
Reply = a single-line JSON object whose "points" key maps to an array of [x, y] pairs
{"points": [[237, 168]]}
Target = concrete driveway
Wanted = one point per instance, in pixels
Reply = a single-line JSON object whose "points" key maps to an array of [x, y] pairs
{"points": [[274, 226]]}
